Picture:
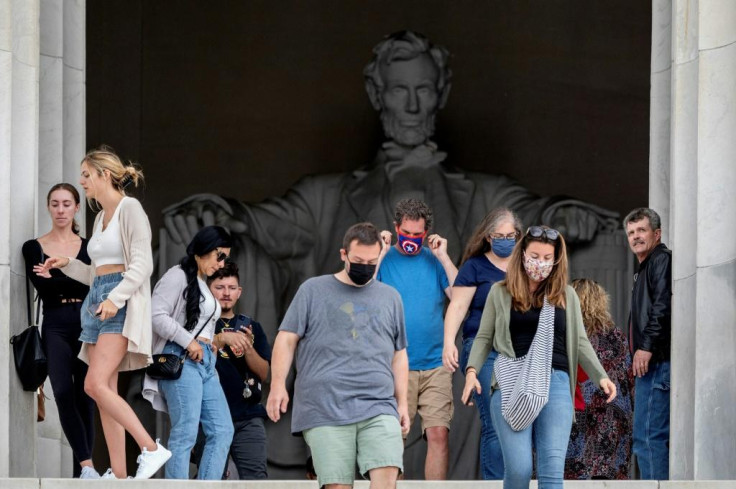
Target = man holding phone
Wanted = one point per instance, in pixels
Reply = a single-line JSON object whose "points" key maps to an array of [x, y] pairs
{"points": [[243, 361]]}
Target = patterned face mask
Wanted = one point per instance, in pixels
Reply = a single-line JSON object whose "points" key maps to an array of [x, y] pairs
{"points": [[537, 270]]}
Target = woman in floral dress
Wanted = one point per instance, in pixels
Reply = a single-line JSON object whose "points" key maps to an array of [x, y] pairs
{"points": [[600, 441]]}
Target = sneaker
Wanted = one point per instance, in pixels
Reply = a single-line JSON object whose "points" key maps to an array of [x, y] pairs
{"points": [[150, 462], [108, 475], [89, 473]]}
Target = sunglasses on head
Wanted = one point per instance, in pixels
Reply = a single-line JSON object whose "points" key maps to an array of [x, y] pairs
{"points": [[539, 231], [221, 256]]}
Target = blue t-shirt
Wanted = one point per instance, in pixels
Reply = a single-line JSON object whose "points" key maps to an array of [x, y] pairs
{"points": [[421, 282], [477, 272]]}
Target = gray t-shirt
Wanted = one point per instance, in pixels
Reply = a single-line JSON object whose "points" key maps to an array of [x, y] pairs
{"points": [[348, 337]]}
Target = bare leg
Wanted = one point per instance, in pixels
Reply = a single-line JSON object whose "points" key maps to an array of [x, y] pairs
{"points": [[101, 385], [384, 477], [435, 466], [114, 436]]}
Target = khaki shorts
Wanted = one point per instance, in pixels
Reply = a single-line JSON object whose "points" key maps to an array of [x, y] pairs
{"points": [[373, 444], [430, 395]]}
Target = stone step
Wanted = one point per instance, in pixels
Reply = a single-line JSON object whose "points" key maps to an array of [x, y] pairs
{"points": [[300, 484]]}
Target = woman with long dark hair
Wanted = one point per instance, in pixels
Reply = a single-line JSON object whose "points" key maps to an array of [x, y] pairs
{"points": [[533, 320], [62, 299], [184, 316], [484, 263], [116, 317]]}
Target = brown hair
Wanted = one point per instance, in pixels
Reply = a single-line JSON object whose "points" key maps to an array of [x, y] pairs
{"points": [[121, 175], [72, 190], [230, 269], [413, 210], [478, 242], [365, 232], [594, 303], [517, 281]]}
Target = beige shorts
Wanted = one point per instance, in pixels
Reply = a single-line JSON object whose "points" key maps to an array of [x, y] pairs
{"points": [[430, 396]]}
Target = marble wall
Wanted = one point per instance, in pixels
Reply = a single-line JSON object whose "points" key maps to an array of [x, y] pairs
{"points": [[42, 139]]}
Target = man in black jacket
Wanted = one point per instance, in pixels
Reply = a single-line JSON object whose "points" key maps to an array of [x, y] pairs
{"points": [[649, 340]]}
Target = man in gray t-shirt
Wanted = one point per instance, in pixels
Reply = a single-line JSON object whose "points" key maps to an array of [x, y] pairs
{"points": [[347, 331]]}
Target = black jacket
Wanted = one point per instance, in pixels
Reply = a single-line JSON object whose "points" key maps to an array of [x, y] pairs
{"points": [[651, 305]]}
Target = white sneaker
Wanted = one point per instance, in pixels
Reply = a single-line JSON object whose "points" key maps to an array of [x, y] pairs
{"points": [[108, 475], [89, 473], [150, 462]]}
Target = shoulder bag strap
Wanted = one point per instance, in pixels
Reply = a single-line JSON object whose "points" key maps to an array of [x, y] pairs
{"points": [[28, 300]]}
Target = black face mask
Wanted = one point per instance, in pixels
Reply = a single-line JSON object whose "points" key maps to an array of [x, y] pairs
{"points": [[361, 273]]}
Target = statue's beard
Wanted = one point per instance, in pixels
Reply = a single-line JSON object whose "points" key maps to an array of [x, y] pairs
{"points": [[407, 136]]}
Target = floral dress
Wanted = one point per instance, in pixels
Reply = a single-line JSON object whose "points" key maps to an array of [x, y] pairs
{"points": [[600, 440]]}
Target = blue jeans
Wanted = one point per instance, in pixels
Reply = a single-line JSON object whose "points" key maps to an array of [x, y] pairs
{"points": [[491, 457], [551, 433], [652, 422], [197, 397]]}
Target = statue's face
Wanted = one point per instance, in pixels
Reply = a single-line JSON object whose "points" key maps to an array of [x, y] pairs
{"points": [[410, 100]]}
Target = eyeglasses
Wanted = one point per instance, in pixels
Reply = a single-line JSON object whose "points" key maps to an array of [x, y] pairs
{"points": [[507, 237], [539, 231], [221, 256]]}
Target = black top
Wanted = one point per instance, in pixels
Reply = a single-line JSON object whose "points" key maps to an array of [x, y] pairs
{"points": [[234, 370], [58, 286], [524, 327]]}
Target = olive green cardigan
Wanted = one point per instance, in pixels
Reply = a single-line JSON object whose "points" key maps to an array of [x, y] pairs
{"points": [[494, 333]]}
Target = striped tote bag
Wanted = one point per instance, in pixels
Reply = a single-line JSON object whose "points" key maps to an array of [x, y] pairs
{"points": [[524, 381]]}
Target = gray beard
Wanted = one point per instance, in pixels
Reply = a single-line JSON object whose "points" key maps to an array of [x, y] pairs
{"points": [[410, 137]]}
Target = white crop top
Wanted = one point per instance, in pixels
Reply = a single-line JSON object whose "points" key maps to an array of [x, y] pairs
{"points": [[106, 247], [206, 308]]}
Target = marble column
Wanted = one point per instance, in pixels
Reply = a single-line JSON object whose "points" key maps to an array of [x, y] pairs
{"points": [[693, 185], [19, 102], [42, 128], [61, 139]]}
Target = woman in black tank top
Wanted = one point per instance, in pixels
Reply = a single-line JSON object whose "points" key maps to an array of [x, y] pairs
{"points": [[62, 299]]}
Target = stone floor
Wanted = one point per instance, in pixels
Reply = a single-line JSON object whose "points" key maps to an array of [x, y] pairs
{"points": [[286, 484]]}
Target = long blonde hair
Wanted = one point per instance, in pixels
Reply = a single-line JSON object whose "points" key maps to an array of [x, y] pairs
{"points": [[121, 175], [517, 281], [594, 303]]}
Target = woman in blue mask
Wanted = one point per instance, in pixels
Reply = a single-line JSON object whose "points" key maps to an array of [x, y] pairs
{"points": [[483, 264]]}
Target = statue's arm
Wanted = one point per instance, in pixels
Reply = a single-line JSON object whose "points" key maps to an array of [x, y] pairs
{"points": [[284, 227], [576, 220]]}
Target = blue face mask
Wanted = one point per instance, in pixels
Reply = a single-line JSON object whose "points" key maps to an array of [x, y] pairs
{"points": [[502, 248]]}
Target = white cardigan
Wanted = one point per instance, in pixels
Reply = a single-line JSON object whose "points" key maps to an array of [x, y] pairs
{"points": [[135, 288]]}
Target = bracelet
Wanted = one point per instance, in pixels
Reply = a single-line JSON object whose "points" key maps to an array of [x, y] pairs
{"points": [[471, 369]]}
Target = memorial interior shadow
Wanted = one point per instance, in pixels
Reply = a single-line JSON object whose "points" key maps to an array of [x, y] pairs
{"points": [[244, 100]]}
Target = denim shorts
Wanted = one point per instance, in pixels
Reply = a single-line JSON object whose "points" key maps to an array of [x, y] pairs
{"points": [[92, 326]]}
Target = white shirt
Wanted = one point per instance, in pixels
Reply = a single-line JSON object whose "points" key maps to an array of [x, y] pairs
{"points": [[106, 247], [207, 304]]}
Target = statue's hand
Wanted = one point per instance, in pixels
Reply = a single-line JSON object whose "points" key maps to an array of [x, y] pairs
{"points": [[575, 223], [579, 221], [184, 219]]}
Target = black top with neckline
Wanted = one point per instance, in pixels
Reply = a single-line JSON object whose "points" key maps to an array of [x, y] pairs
{"points": [[54, 289], [524, 327]]}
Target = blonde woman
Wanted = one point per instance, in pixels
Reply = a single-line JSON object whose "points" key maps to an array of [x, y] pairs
{"points": [[116, 315], [600, 443], [534, 317]]}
